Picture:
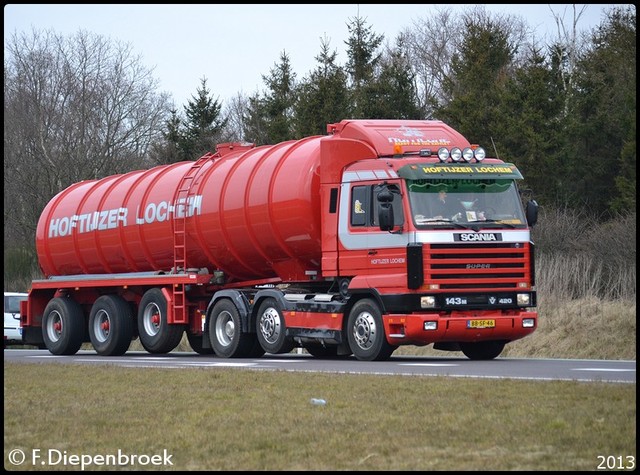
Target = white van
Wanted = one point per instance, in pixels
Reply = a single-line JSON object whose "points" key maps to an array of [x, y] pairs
{"points": [[12, 328]]}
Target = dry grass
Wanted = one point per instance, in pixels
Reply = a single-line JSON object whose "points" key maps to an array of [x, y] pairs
{"points": [[222, 419], [587, 329]]}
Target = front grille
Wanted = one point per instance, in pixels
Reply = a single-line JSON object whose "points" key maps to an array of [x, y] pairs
{"points": [[489, 266]]}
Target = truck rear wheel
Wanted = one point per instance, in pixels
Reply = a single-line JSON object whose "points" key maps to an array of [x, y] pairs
{"points": [[365, 332], [271, 328], [225, 332], [63, 326], [482, 350], [156, 335], [111, 325]]}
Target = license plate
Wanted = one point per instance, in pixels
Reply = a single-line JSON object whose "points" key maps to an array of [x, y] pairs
{"points": [[481, 323]]}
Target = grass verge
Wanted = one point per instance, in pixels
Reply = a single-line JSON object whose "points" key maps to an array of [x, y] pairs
{"points": [[223, 419]]}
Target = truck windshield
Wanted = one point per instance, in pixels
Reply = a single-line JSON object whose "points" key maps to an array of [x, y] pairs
{"points": [[490, 202]]}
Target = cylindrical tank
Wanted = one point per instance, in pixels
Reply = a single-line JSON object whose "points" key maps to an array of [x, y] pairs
{"points": [[253, 213]]}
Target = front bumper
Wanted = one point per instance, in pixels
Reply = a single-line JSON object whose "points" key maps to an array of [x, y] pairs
{"points": [[426, 328]]}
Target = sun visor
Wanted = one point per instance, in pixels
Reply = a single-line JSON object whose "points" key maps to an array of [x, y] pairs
{"points": [[460, 170]]}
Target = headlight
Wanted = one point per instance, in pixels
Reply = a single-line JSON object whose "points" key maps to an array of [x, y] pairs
{"points": [[443, 154], [479, 153], [456, 154]]}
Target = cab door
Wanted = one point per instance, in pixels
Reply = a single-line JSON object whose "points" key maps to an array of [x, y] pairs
{"points": [[363, 246]]}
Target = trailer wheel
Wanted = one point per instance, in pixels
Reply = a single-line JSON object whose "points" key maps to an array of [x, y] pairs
{"points": [[365, 332], [111, 325], [482, 350], [156, 335], [225, 332], [63, 326], [195, 341], [271, 329]]}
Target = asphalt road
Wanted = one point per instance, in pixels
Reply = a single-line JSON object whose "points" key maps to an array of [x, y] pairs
{"points": [[460, 367]]}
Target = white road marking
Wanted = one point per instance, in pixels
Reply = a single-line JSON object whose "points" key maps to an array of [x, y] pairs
{"points": [[620, 370], [428, 364]]}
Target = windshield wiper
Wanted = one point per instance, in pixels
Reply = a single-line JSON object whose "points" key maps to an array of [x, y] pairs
{"points": [[496, 221], [438, 221]]}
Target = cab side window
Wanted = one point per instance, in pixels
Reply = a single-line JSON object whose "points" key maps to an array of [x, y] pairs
{"points": [[364, 205], [360, 206]]}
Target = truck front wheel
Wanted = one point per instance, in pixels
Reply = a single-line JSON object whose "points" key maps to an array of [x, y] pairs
{"points": [[63, 326], [156, 335], [365, 332], [271, 329], [111, 325], [482, 350]]}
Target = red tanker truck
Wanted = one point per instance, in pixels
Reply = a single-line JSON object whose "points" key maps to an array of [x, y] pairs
{"points": [[338, 244]]}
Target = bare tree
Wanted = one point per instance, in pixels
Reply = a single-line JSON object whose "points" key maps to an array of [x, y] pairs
{"points": [[432, 43], [569, 47], [236, 110], [76, 108]]}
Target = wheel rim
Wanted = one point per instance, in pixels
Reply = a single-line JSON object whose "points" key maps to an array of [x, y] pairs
{"points": [[54, 326], [102, 326], [364, 330], [151, 319], [270, 325], [225, 328]]}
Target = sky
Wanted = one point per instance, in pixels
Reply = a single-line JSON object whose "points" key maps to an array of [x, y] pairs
{"points": [[233, 46]]}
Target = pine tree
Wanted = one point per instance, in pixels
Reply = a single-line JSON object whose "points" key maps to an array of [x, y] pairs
{"points": [[204, 124], [270, 114], [392, 93], [363, 58], [479, 72], [323, 97]]}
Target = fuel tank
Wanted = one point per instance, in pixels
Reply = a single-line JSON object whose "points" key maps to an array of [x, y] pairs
{"points": [[251, 212]]}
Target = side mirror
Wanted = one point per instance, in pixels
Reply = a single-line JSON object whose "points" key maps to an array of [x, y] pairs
{"points": [[532, 212], [385, 216], [385, 210], [385, 196]]}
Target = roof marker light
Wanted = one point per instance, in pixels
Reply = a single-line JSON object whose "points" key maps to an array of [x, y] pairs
{"points": [[443, 154], [467, 154]]}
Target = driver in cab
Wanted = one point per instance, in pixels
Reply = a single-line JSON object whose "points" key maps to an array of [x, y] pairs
{"points": [[442, 209]]}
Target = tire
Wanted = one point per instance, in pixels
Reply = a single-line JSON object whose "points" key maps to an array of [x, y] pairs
{"points": [[195, 341], [63, 326], [365, 332], [318, 350], [156, 335], [482, 350], [225, 332], [271, 329], [111, 325], [256, 350]]}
